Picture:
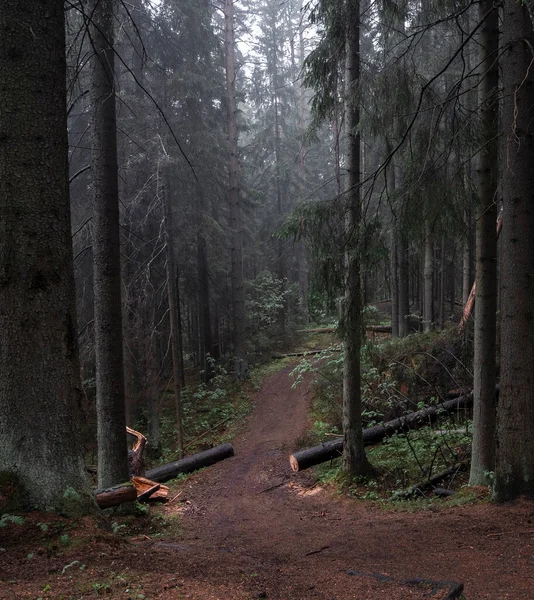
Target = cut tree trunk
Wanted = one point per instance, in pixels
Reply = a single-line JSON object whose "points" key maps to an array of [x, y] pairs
{"points": [[310, 457], [118, 494], [190, 463], [147, 489]]}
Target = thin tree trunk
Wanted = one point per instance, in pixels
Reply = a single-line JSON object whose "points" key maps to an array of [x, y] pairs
{"points": [[514, 469], [280, 258], [355, 460], [206, 338], [110, 398], [302, 250], [40, 389], [442, 283], [174, 318], [236, 225], [429, 280], [404, 285], [152, 390], [393, 262], [484, 404]]}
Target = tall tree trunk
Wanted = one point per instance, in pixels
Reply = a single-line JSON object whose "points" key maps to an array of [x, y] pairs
{"points": [[236, 218], [404, 285], [429, 280], [302, 250], [393, 259], [206, 338], [442, 282], [280, 258], [174, 317], [110, 399], [484, 401], [514, 469], [355, 460], [40, 389], [152, 388]]}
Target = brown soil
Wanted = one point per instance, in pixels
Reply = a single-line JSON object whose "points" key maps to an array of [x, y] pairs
{"points": [[250, 528]]}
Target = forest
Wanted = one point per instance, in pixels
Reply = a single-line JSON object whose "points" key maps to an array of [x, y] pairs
{"points": [[290, 239]]}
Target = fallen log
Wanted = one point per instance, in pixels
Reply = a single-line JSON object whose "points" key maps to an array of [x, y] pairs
{"points": [[317, 330], [378, 328], [419, 488], [305, 353], [304, 459], [118, 494], [190, 463]]}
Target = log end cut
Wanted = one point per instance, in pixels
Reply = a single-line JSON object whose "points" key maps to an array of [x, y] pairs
{"points": [[294, 463]]}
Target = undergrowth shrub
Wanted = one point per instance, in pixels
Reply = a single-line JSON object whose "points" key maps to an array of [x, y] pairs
{"points": [[398, 376]]}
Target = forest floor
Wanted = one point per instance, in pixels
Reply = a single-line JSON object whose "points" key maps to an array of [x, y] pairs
{"points": [[250, 528]]}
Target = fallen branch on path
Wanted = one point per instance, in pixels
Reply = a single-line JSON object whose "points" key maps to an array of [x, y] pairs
{"points": [[317, 330], [273, 487], [310, 457], [317, 551]]}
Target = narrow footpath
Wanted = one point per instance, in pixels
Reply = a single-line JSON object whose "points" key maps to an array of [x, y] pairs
{"points": [[254, 529]]}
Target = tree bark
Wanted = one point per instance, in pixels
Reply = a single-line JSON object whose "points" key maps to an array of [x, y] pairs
{"points": [[110, 399], [236, 225], [355, 460], [40, 389], [514, 469], [310, 457], [484, 368]]}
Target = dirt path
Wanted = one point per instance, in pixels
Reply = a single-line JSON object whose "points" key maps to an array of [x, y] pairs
{"points": [[253, 529], [250, 528]]}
